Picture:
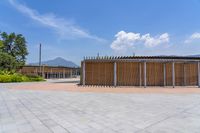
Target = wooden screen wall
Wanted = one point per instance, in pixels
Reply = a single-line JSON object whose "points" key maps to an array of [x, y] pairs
{"points": [[168, 74], [179, 74], [128, 73], [97, 73], [155, 74], [191, 74]]}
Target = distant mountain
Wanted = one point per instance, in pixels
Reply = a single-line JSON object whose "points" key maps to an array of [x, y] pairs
{"points": [[197, 55], [57, 62]]}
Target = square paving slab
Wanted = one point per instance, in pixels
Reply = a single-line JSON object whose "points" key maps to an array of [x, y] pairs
{"points": [[50, 111]]}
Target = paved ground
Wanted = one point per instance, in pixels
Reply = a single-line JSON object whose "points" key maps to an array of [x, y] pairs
{"points": [[71, 85], [39, 111]]}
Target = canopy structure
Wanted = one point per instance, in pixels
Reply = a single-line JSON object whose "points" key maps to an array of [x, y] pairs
{"points": [[141, 71], [50, 72]]}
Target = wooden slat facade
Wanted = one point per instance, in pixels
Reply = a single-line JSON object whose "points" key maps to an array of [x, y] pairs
{"points": [[127, 74], [97, 73], [49, 72], [132, 73]]}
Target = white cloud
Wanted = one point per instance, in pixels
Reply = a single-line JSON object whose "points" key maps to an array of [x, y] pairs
{"points": [[65, 29], [154, 41], [194, 36], [125, 40]]}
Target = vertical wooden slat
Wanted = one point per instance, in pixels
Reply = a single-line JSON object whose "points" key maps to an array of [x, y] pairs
{"points": [[184, 74], [115, 74]]}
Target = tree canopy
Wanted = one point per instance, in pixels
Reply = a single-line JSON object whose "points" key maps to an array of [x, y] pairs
{"points": [[13, 50], [7, 62]]}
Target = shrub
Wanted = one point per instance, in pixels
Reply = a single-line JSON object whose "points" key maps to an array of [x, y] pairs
{"points": [[10, 76], [5, 78], [34, 78], [16, 77]]}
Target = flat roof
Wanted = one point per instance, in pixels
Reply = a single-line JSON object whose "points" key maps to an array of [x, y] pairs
{"points": [[143, 58], [50, 66]]}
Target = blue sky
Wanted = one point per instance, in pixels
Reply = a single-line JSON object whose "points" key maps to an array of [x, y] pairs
{"points": [[73, 29]]}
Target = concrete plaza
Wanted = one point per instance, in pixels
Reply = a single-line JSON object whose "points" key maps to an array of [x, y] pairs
{"points": [[50, 111]]}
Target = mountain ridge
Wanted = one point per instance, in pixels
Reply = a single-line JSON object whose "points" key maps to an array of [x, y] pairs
{"points": [[58, 61]]}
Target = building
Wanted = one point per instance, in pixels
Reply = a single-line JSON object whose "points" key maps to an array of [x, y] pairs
{"points": [[50, 72], [141, 71]]}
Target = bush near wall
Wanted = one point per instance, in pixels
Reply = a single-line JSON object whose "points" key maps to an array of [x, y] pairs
{"points": [[10, 76]]}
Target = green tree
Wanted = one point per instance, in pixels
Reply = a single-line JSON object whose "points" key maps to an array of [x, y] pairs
{"points": [[7, 62], [1, 45], [15, 45]]}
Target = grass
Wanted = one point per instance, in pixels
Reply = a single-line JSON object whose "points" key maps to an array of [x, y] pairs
{"points": [[10, 76]]}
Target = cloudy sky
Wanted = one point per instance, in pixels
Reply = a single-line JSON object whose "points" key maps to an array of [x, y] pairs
{"points": [[73, 29]]}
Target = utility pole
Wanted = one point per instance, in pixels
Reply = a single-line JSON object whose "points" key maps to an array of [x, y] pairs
{"points": [[40, 54]]}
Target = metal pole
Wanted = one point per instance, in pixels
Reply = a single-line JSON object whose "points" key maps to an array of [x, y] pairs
{"points": [[40, 58], [115, 74], [199, 74], [140, 72], [145, 75], [173, 75], [164, 70], [84, 73]]}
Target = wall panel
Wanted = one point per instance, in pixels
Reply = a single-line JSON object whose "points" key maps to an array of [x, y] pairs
{"points": [[128, 73]]}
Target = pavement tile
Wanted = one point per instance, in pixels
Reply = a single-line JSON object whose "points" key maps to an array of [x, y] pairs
{"points": [[58, 129], [38, 111]]}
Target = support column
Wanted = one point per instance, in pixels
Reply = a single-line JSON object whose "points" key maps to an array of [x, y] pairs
{"points": [[199, 74], [71, 73], [83, 73], [36, 72], [43, 75], [173, 75], [140, 73], [164, 74], [76, 73], [145, 75], [51, 74], [64, 73], [184, 74], [115, 74]]}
